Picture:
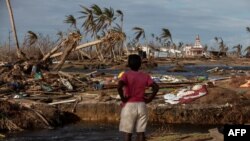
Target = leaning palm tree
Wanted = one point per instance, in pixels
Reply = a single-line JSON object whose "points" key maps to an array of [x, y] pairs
{"points": [[20, 54], [90, 25], [32, 37], [166, 34], [70, 19], [103, 19], [139, 32], [222, 46], [239, 48]]}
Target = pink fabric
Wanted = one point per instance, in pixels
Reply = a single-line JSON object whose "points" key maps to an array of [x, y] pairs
{"points": [[186, 99], [135, 85]]}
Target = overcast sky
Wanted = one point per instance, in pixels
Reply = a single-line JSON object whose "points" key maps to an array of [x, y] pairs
{"points": [[184, 18]]}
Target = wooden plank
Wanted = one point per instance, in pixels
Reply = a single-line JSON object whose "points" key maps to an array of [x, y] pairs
{"points": [[63, 102]]}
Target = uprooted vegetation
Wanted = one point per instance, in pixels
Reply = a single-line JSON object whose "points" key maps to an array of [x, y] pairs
{"points": [[30, 76]]}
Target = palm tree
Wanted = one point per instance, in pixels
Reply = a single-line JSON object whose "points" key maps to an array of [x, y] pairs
{"points": [[32, 37], [166, 34], [70, 19], [166, 37], [118, 29], [89, 24], [109, 17], [139, 33], [222, 46], [180, 45], [205, 49], [20, 54], [98, 18], [102, 18], [248, 29], [239, 48], [120, 13]]}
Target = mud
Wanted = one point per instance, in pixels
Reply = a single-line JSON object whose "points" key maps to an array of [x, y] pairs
{"points": [[17, 116], [225, 103], [158, 113]]}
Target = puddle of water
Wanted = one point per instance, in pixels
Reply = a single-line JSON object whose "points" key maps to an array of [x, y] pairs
{"points": [[96, 132], [192, 70]]}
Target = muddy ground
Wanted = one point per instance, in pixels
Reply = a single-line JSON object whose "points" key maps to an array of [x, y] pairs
{"points": [[20, 115]]}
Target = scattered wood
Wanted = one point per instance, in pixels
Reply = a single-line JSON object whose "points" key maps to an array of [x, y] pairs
{"points": [[71, 77], [42, 118], [54, 50], [63, 102]]}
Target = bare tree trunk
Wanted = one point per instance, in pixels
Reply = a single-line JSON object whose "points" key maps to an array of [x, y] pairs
{"points": [[19, 53], [64, 56], [53, 50], [78, 47], [83, 53]]}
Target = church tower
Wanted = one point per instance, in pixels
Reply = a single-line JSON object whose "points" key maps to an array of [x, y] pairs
{"points": [[197, 43]]}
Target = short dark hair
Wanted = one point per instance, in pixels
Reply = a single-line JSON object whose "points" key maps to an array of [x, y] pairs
{"points": [[134, 62]]}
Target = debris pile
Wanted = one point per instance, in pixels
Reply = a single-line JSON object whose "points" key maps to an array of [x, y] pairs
{"points": [[33, 80]]}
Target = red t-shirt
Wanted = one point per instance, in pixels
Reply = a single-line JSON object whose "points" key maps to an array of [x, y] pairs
{"points": [[135, 85]]}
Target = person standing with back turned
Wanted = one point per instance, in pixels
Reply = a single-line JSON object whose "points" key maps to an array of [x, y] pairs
{"points": [[131, 89]]}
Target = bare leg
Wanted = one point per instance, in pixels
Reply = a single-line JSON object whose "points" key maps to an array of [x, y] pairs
{"points": [[140, 136], [127, 136]]}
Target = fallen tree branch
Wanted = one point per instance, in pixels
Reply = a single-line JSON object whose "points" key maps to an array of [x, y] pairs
{"points": [[78, 47], [62, 102], [53, 50]]}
